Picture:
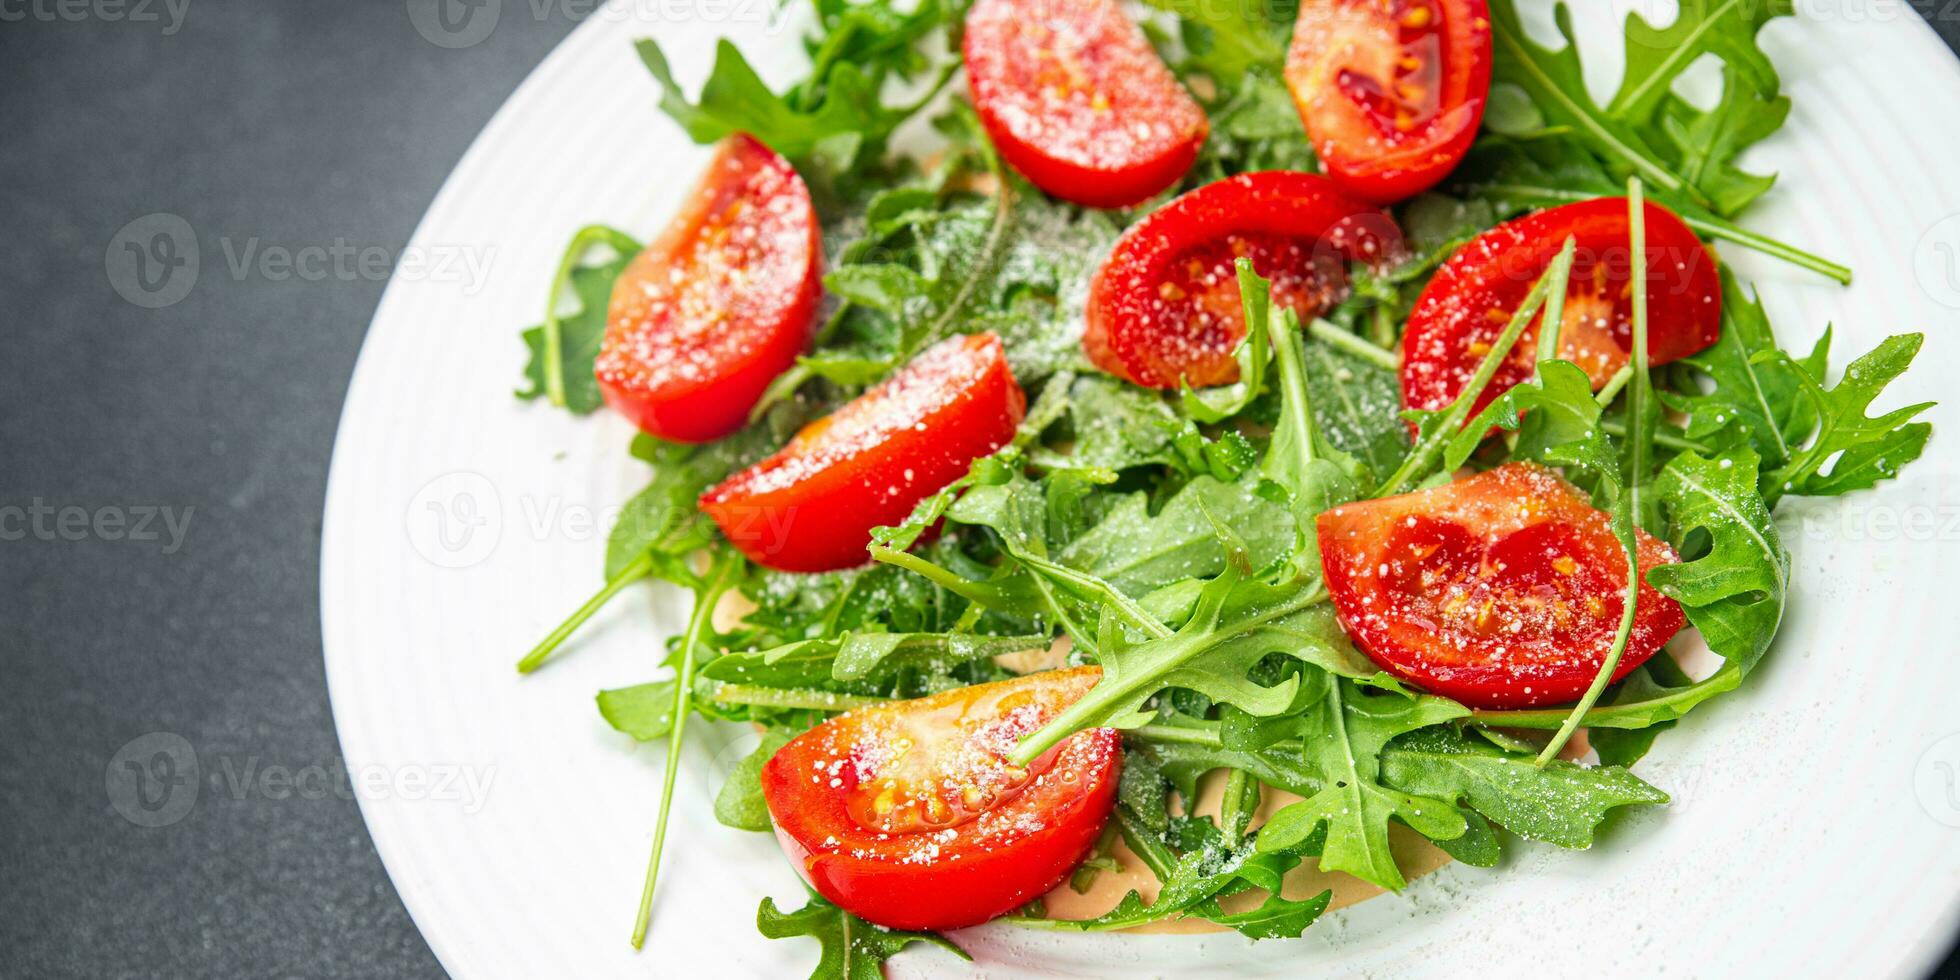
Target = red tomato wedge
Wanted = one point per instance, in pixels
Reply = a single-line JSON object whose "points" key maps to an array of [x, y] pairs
{"points": [[711, 311], [1075, 99], [909, 814], [1465, 307], [1165, 305], [812, 505], [1504, 590], [1391, 91]]}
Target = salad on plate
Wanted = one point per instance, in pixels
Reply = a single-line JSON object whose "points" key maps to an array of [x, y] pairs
{"points": [[1150, 466]]}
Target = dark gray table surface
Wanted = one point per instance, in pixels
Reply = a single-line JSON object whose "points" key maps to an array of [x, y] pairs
{"points": [[193, 441]]}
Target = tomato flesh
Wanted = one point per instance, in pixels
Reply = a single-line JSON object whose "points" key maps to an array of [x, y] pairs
{"points": [[1165, 305], [1471, 298], [909, 814], [812, 505], [1075, 98], [1504, 590], [711, 311], [1391, 91]]}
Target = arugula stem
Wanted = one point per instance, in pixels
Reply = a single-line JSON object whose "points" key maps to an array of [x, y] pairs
{"points": [[1706, 227], [1626, 510], [1146, 845], [1640, 161], [960, 586], [1633, 714], [1611, 389], [698, 624], [1113, 690], [1235, 811], [634, 571], [1381, 328], [1344, 340], [1178, 734], [553, 342], [789, 697], [1552, 324], [1424, 454], [1618, 430]]}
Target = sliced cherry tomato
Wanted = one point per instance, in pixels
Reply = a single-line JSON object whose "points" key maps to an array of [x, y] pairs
{"points": [[909, 814], [1391, 91], [1502, 591], [1076, 100], [1466, 306], [711, 311], [1165, 305], [812, 505]]}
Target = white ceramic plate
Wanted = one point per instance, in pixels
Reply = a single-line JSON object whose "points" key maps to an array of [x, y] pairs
{"points": [[1812, 831]]}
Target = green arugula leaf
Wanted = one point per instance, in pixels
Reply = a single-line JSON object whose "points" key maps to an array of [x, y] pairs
{"points": [[1343, 734], [1479, 846], [1254, 126], [870, 655], [1560, 803], [739, 803], [1208, 869], [1224, 41], [853, 949], [1860, 450], [837, 106], [1750, 398], [1236, 623], [1736, 591], [1183, 756], [1138, 552], [644, 711], [1358, 409], [581, 333], [1647, 129], [1218, 404]]}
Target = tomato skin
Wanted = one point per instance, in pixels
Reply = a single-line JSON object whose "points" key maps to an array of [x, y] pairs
{"points": [[1466, 305], [1429, 585], [1153, 321], [1391, 92], [960, 874], [812, 505], [1075, 98], [712, 310]]}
